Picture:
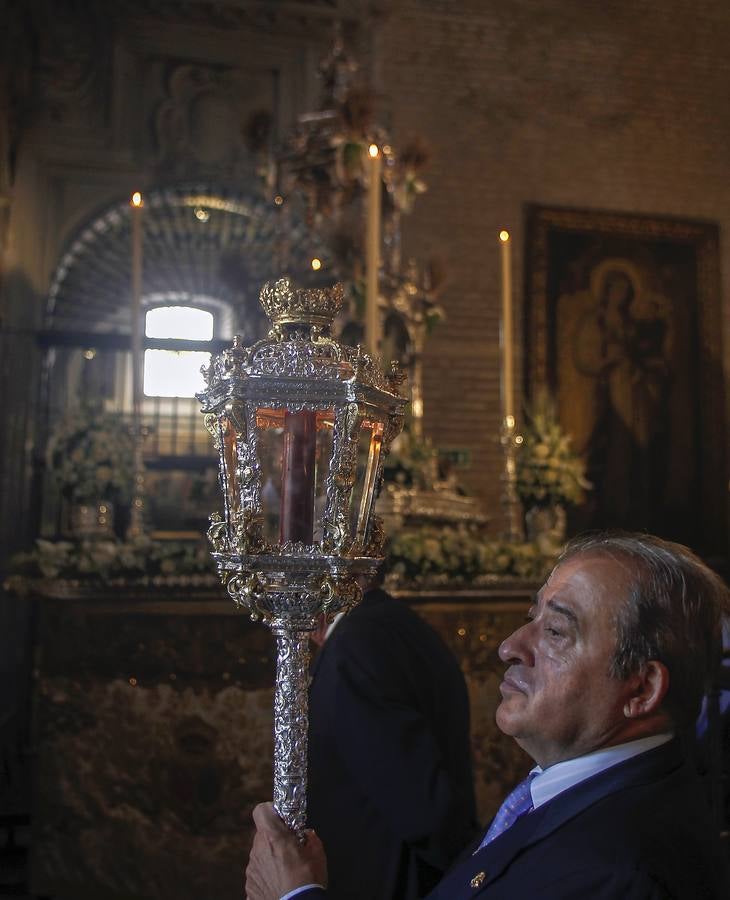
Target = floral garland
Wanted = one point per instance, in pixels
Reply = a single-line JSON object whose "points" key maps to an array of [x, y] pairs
{"points": [[140, 560], [425, 556], [460, 556]]}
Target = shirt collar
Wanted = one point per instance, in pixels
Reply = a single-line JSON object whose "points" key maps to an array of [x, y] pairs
{"points": [[333, 624], [557, 778]]}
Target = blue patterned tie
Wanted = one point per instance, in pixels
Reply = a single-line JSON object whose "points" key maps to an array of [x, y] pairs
{"points": [[517, 804]]}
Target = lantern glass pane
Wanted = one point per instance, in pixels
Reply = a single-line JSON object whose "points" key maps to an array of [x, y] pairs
{"points": [[323, 458], [230, 467], [269, 424], [294, 450], [368, 456]]}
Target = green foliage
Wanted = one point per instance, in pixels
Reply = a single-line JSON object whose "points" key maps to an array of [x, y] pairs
{"points": [[353, 153], [434, 314]]}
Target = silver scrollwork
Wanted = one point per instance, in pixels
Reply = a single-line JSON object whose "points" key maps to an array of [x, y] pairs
{"points": [[288, 584], [290, 727]]}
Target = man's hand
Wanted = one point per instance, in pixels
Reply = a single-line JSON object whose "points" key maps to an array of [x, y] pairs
{"points": [[279, 862]]}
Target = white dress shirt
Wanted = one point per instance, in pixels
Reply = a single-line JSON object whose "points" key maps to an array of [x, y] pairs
{"points": [[550, 782], [304, 887], [330, 628]]}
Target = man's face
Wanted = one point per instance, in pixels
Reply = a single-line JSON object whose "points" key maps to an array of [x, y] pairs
{"points": [[558, 699]]}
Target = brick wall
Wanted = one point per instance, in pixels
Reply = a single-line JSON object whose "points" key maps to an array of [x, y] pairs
{"points": [[599, 105]]}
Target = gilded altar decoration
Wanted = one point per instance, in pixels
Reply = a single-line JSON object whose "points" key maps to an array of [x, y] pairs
{"points": [[327, 156], [356, 185], [302, 425]]}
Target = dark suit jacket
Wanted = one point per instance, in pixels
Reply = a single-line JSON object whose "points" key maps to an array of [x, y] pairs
{"points": [[390, 781], [638, 831]]}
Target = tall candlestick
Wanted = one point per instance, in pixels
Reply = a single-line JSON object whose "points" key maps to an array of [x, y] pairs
{"points": [[136, 204], [510, 438], [372, 250], [508, 386], [136, 526]]}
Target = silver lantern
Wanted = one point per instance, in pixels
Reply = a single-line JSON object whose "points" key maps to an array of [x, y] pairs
{"points": [[302, 425]]}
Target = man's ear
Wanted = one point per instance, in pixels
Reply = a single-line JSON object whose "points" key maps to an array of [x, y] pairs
{"points": [[651, 686]]}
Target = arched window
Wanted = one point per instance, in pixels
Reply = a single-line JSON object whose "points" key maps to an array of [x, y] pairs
{"points": [[176, 373]]}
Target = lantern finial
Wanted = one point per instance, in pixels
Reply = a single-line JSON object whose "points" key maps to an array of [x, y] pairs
{"points": [[286, 304]]}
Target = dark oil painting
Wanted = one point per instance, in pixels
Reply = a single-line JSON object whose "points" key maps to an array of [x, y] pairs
{"points": [[623, 330]]}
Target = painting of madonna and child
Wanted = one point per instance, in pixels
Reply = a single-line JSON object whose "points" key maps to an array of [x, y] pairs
{"points": [[623, 329]]}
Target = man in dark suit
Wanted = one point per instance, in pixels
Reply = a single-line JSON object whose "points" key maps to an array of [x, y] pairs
{"points": [[602, 683], [390, 778]]}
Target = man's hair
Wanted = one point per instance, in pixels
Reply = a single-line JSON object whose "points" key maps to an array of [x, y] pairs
{"points": [[673, 614]]}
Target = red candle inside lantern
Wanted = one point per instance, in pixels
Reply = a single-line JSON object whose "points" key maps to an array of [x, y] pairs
{"points": [[297, 477]]}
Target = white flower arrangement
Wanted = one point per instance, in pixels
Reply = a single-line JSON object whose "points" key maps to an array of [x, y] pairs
{"points": [[549, 471], [459, 555], [140, 560], [91, 457]]}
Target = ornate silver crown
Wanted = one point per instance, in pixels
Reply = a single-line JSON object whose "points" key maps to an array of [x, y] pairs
{"points": [[285, 304]]}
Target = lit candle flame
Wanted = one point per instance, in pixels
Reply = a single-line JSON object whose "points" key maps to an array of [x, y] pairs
{"points": [[136, 199], [504, 236], [374, 150], [316, 264]]}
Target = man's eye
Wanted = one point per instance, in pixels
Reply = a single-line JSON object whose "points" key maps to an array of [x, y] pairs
{"points": [[553, 632]]}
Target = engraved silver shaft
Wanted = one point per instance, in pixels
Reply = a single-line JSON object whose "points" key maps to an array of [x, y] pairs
{"points": [[290, 727]]}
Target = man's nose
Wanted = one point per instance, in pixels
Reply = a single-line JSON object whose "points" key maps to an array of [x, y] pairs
{"points": [[517, 647]]}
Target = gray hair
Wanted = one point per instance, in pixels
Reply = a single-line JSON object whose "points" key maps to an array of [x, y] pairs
{"points": [[673, 614]]}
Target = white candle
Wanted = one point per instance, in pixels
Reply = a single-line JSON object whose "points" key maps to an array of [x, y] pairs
{"points": [[372, 250], [136, 204], [506, 336]]}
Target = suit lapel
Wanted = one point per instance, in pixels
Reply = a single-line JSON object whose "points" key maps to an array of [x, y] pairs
{"points": [[475, 873]]}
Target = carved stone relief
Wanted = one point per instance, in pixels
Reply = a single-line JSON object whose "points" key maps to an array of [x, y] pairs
{"points": [[200, 122], [73, 60]]}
